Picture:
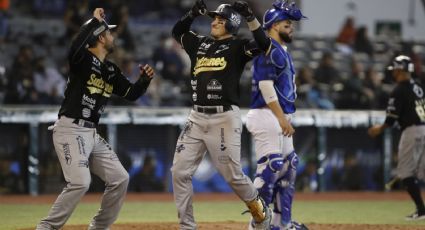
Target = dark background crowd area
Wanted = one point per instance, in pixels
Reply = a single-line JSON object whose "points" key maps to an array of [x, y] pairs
{"points": [[345, 70]]}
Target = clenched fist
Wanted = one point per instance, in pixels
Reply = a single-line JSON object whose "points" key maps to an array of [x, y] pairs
{"points": [[198, 9], [243, 9], [146, 71]]}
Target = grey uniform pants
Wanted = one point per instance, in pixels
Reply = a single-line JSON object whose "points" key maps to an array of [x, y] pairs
{"points": [[220, 135], [81, 150], [411, 153]]}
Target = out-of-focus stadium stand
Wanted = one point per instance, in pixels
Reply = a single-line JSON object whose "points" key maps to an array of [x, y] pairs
{"points": [[40, 26]]}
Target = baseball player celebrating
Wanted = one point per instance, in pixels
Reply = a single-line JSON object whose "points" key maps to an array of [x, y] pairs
{"points": [[268, 120], [79, 147], [214, 124], [406, 106]]}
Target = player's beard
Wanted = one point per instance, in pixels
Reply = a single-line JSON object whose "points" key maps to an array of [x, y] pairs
{"points": [[285, 37]]}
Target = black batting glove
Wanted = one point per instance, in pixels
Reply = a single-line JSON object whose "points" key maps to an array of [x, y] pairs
{"points": [[243, 9], [198, 9]]}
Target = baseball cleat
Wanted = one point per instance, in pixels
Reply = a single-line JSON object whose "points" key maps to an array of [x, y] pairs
{"points": [[415, 216], [265, 224], [292, 226]]}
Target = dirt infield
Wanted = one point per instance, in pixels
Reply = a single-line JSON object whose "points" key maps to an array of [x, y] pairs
{"points": [[222, 197], [243, 226]]}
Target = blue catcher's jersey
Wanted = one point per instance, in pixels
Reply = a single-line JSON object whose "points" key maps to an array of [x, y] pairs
{"points": [[276, 66]]}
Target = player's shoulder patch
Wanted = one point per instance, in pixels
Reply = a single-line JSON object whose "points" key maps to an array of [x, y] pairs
{"points": [[278, 57]]}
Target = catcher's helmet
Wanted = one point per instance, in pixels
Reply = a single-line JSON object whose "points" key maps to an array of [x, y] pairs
{"points": [[282, 10], [233, 19], [96, 30], [402, 62]]}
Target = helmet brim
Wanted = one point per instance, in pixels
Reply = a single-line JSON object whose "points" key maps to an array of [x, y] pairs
{"points": [[110, 27], [213, 14]]}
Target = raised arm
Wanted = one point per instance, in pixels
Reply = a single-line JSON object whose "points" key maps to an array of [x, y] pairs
{"points": [[129, 91], [79, 44], [254, 25], [141, 85], [183, 25]]}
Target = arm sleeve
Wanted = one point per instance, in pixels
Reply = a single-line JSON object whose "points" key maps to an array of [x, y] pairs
{"points": [[268, 91], [262, 40], [182, 27], [394, 107], [137, 89], [79, 44], [250, 50], [124, 88], [182, 34]]}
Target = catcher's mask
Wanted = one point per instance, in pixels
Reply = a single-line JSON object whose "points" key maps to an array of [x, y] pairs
{"points": [[282, 10]]}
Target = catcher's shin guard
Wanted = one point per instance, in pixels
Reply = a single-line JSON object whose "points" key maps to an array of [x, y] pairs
{"points": [[285, 190], [260, 213], [268, 168]]}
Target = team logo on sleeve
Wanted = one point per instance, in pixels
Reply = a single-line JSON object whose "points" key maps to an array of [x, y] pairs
{"points": [[214, 85], [418, 91]]}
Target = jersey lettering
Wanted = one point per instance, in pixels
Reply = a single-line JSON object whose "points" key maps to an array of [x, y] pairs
{"points": [[99, 86], [209, 64]]}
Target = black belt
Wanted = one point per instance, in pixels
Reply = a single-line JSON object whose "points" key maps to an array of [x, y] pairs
{"points": [[212, 109], [84, 123]]}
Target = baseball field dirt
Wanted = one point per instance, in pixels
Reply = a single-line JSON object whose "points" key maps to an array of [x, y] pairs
{"points": [[243, 226], [227, 225]]}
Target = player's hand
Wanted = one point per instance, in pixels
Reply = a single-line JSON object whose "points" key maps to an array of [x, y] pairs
{"points": [[146, 71], [287, 128], [375, 130], [243, 9], [198, 9], [99, 14]]}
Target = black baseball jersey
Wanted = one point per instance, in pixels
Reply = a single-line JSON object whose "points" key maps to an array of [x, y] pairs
{"points": [[406, 105], [216, 67], [91, 82]]}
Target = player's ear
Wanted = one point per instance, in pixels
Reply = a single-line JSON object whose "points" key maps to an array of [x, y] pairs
{"points": [[275, 26], [102, 37]]}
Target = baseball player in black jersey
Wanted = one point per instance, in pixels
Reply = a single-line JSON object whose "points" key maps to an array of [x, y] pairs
{"points": [[407, 107], [79, 147], [214, 123]]}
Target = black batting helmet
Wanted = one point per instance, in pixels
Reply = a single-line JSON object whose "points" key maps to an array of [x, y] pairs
{"points": [[233, 19], [96, 30], [402, 62]]}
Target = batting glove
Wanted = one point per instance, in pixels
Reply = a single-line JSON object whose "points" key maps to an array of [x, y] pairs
{"points": [[198, 9], [243, 9]]}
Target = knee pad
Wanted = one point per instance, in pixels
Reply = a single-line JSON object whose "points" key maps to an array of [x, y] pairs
{"points": [[288, 176], [268, 168]]}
